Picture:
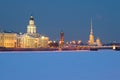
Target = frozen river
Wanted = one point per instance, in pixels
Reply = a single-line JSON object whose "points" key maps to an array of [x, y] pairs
{"points": [[60, 65]]}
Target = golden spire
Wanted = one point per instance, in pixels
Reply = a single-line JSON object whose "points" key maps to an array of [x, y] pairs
{"points": [[91, 36], [91, 30]]}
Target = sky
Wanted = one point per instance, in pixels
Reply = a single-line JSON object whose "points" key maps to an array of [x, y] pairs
{"points": [[71, 16]]}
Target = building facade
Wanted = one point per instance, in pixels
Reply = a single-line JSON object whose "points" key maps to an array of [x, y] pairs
{"points": [[98, 42], [32, 39], [31, 28], [8, 40], [28, 41]]}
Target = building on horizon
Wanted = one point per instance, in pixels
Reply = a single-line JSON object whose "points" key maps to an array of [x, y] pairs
{"points": [[8, 39], [61, 42], [91, 41], [32, 39], [98, 42], [91, 36]]}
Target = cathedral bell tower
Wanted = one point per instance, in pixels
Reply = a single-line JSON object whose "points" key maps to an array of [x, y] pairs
{"points": [[31, 28], [91, 36]]}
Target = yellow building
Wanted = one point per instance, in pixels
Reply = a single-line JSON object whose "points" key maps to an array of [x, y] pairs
{"points": [[28, 41], [98, 42], [31, 28], [18, 43], [91, 41], [91, 36], [43, 42], [1, 39], [31, 39], [8, 40]]}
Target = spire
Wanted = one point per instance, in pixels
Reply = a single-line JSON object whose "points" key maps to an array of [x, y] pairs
{"points": [[31, 21], [91, 37], [91, 30], [31, 18]]}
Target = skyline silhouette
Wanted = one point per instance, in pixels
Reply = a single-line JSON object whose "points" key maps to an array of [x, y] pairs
{"points": [[71, 16]]}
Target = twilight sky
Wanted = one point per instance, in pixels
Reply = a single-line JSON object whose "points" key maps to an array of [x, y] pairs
{"points": [[70, 16]]}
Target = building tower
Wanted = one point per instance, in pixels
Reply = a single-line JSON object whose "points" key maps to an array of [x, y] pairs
{"points": [[31, 28], [98, 42], [61, 42], [91, 36]]}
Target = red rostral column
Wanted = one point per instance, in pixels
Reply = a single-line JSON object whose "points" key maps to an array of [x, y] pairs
{"points": [[61, 42]]}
